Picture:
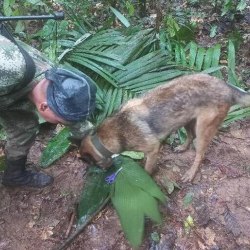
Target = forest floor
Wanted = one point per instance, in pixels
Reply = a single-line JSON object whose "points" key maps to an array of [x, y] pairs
{"points": [[218, 201]]}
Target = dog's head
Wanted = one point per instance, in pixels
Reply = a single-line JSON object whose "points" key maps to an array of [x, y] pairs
{"points": [[94, 153]]}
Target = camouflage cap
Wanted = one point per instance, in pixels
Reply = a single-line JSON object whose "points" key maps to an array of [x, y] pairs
{"points": [[70, 95]]}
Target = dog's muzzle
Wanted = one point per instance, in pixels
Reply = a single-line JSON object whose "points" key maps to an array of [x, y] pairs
{"points": [[105, 162]]}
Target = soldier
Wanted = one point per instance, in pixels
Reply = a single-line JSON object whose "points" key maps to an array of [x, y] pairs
{"points": [[29, 84]]}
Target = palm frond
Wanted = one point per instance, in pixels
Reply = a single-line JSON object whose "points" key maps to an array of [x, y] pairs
{"points": [[197, 58]]}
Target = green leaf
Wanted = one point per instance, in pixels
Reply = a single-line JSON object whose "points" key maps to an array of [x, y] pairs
{"points": [[213, 31], [150, 207], [183, 56], [192, 54], [103, 60], [182, 135], [121, 17], [134, 172], [169, 185], [109, 94], [188, 224], [134, 155], [187, 200], [231, 55], [35, 2], [155, 237], [216, 55], [7, 7], [216, 59], [3, 135], [125, 201], [177, 54], [112, 102], [232, 77], [236, 113], [56, 147], [20, 27], [241, 5], [213, 69], [151, 78], [200, 58], [132, 199], [94, 194], [208, 58], [149, 61], [93, 66]]}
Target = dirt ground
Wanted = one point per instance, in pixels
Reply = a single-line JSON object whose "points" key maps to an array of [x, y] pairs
{"points": [[218, 202]]}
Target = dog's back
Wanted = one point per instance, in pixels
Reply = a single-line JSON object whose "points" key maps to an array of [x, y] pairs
{"points": [[172, 105]]}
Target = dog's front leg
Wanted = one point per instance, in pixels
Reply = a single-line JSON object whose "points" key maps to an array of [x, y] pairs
{"points": [[190, 174]]}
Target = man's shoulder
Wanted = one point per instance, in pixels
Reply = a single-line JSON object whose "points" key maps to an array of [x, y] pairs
{"points": [[12, 66]]}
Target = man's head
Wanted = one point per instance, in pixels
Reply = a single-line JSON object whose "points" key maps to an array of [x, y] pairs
{"points": [[64, 96]]}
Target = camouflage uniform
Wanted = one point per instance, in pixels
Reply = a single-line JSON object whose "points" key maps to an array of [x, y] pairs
{"points": [[18, 114]]}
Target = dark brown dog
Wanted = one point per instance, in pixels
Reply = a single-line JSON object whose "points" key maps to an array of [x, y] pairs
{"points": [[198, 102]]}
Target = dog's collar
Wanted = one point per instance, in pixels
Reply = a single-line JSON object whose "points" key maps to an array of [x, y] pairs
{"points": [[100, 147]]}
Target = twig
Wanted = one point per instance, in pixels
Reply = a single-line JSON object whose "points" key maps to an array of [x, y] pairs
{"points": [[70, 225], [80, 229]]}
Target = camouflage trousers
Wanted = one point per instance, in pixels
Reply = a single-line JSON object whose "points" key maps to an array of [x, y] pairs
{"points": [[21, 127]]}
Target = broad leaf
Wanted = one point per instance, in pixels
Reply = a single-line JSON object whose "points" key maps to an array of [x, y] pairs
{"points": [[133, 196], [56, 147], [128, 207], [134, 173], [94, 195]]}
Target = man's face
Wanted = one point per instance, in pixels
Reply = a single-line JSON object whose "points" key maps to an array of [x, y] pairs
{"points": [[39, 99]]}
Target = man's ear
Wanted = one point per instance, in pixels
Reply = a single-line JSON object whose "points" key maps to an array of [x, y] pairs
{"points": [[43, 106]]}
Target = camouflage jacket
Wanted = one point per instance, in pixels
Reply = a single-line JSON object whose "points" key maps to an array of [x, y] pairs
{"points": [[12, 67]]}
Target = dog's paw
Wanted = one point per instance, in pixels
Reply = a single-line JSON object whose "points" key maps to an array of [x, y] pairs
{"points": [[188, 176]]}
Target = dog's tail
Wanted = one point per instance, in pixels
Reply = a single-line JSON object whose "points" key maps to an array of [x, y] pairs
{"points": [[240, 96]]}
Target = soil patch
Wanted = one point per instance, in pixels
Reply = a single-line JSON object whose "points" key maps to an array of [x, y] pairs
{"points": [[218, 202]]}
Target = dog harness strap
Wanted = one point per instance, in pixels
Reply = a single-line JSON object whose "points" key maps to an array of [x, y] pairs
{"points": [[100, 147]]}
